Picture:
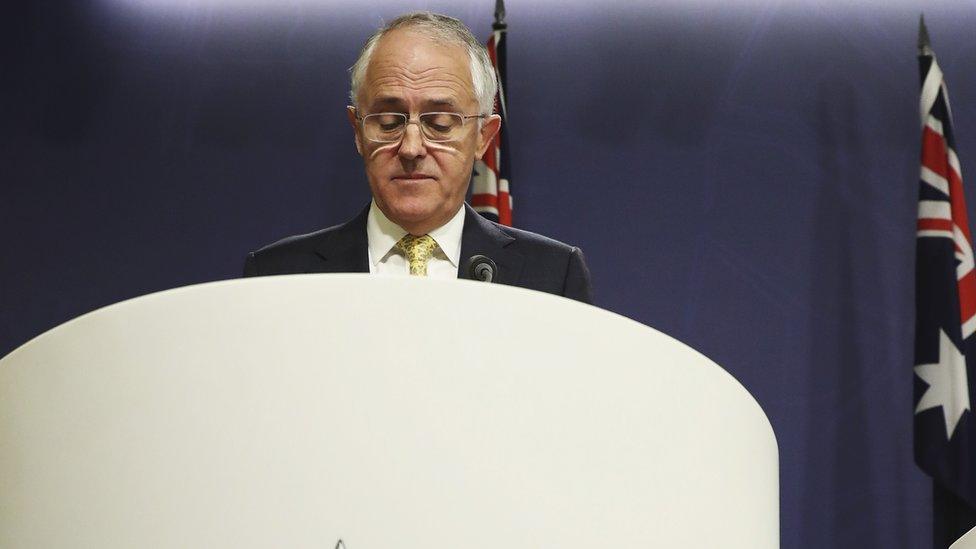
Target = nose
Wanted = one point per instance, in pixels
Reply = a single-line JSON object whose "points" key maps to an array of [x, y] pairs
{"points": [[412, 143]]}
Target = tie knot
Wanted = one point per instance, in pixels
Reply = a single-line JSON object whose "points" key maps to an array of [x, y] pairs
{"points": [[418, 250]]}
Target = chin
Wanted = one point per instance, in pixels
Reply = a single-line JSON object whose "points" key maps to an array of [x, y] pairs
{"points": [[403, 212], [412, 204]]}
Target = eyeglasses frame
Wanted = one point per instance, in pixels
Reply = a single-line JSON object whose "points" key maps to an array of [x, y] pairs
{"points": [[410, 120]]}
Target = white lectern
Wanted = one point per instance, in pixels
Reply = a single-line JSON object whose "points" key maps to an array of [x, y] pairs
{"points": [[967, 541], [391, 413]]}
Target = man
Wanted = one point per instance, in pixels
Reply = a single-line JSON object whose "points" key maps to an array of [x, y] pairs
{"points": [[422, 90]]}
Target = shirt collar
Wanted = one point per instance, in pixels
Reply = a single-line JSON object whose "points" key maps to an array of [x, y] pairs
{"points": [[383, 234]]}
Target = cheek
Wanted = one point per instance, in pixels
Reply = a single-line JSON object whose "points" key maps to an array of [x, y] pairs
{"points": [[380, 166], [380, 154], [453, 164]]}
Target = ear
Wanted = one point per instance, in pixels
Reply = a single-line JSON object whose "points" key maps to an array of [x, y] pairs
{"points": [[354, 122], [489, 128]]}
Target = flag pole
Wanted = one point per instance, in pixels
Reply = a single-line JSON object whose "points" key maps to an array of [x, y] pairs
{"points": [[499, 24], [924, 43], [500, 27]]}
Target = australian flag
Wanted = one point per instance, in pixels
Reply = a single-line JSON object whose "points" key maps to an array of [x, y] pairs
{"points": [[945, 294], [490, 195]]}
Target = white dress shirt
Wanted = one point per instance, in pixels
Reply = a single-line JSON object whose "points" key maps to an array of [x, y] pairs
{"points": [[383, 234]]}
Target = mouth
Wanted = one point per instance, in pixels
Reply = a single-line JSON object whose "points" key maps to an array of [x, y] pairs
{"points": [[412, 177]]}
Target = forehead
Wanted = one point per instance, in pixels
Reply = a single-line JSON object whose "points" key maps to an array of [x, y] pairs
{"points": [[409, 67]]}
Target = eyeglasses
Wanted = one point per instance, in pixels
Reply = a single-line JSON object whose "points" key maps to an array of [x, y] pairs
{"points": [[436, 127]]}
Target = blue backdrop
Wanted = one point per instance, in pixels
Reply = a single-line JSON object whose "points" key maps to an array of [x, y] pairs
{"points": [[741, 176]]}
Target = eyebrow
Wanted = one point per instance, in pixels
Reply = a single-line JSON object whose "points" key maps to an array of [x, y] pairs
{"points": [[440, 102], [390, 101], [384, 101]]}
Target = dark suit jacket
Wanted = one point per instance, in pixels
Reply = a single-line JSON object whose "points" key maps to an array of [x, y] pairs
{"points": [[524, 259]]}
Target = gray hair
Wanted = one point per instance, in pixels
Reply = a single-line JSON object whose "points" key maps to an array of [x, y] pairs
{"points": [[445, 30]]}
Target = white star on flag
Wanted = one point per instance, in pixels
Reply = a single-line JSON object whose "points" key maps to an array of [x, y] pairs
{"points": [[948, 384]]}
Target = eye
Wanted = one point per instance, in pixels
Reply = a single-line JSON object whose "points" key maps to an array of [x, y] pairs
{"points": [[441, 122], [387, 121]]}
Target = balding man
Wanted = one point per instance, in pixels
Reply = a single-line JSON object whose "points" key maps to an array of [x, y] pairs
{"points": [[422, 90]]}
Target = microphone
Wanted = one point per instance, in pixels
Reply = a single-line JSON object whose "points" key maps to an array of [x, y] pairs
{"points": [[481, 267]]}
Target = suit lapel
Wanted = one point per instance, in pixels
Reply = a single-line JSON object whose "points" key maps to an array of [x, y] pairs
{"points": [[345, 250], [482, 237]]}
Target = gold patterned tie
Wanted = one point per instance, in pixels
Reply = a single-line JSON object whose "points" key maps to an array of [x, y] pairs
{"points": [[418, 250]]}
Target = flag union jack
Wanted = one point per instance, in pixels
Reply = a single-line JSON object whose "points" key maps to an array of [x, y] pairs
{"points": [[945, 294]]}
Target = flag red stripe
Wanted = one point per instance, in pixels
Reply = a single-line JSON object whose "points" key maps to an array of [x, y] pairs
{"points": [[958, 201], [934, 155], [935, 225], [484, 200], [504, 208], [967, 296], [936, 158], [491, 51]]}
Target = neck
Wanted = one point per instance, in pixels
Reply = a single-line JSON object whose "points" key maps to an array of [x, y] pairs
{"points": [[425, 226]]}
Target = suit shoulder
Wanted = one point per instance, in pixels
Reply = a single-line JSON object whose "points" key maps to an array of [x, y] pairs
{"points": [[551, 266], [294, 254], [536, 240], [297, 243], [340, 248]]}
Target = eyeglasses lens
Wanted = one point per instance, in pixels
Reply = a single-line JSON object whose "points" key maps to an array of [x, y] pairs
{"points": [[435, 126]]}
